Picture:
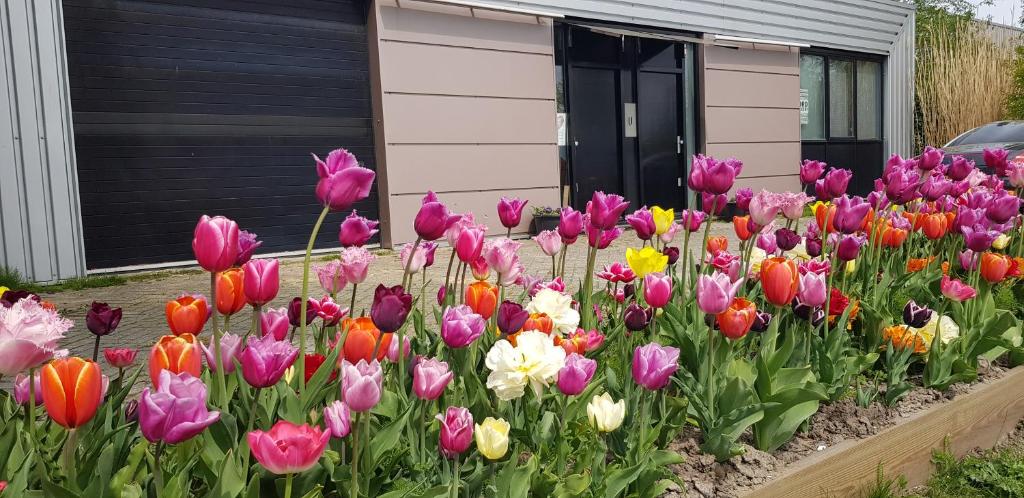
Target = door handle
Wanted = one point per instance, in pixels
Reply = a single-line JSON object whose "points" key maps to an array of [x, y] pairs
{"points": [[679, 144]]}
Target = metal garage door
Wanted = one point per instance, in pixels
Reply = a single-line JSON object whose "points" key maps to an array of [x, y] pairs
{"points": [[211, 106]]}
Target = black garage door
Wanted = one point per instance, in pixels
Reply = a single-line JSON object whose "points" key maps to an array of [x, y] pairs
{"points": [[211, 106]]}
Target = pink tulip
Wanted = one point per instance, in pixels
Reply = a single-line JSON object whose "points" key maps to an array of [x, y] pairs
{"points": [[288, 448], [743, 198], [419, 258], [727, 263], [576, 374], [361, 384], [654, 364], [692, 220], [356, 230], [955, 290], [470, 243], [642, 221], [342, 181], [260, 281], [502, 255], [715, 292], [120, 357], [355, 264], [265, 360], [338, 419], [606, 236], [570, 225], [393, 349], [464, 221], [331, 276], [764, 207], [460, 326], [549, 241], [274, 322], [670, 234], [810, 171], [433, 218], [605, 210], [792, 204], [616, 272], [215, 243], [21, 389], [456, 431], [330, 311], [1015, 174], [711, 176], [430, 377], [480, 269], [657, 289], [812, 290], [510, 211], [930, 158], [176, 410], [29, 335], [230, 345], [767, 242]]}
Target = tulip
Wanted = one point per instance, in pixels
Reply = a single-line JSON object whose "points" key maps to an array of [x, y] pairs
{"points": [[549, 241], [663, 219], [510, 211], [994, 267], [1001, 208], [288, 448], [22, 389], [480, 269], [582, 341], [540, 322], [570, 225], [511, 317], [935, 186], [779, 280], [176, 410], [456, 431], [741, 225], [274, 322], [430, 377], [810, 171], [265, 360], [355, 264], [657, 289], [813, 247], [1015, 175], [978, 238], [482, 298], [960, 168], [230, 345], [101, 319], [492, 438], [342, 181], [1001, 242], [617, 272], [390, 307], [362, 340], [260, 281], [646, 260], [893, 237], [576, 374], [717, 244], [605, 414], [743, 198], [968, 261], [174, 353], [737, 320], [833, 185], [215, 243], [461, 325], [849, 247], [247, 245], [761, 321], [850, 214], [605, 210], [601, 239], [338, 419], [470, 243], [295, 308], [995, 159], [72, 389], [393, 355], [636, 318], [812, 289], [764, 207], [916, 316], [719, 176], [901, 185], [654, 364], [312, 363], [642, 222], [356, 230], [713, 204], [433, 218], [955, 290], [786, 239], [361, 384], [692, 220], [767, 243], [934, 225], [230, 295], [672, 253], [331, 277], [419, 257], [187, 314], [716, 291]]}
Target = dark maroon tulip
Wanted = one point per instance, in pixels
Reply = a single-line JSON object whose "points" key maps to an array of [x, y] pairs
{"points": [[247, 245], [915, 315], [511, 317], [813, 247], [636, 318], [295, 307], [818, 317], [786, 239], [131, 411], [672, 253], [627, 291], [849, 247], [761, 321], [743, 197], [803, 311], [9, 297], [101, 319], [391, 306]]}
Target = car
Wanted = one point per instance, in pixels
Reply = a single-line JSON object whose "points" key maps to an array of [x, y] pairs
{"points": [[1007, 135]]}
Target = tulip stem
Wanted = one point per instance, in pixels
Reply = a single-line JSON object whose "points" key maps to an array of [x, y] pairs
{"points": [[707, 232], [96, 349], [222, 390], [158, 473], [455, 478], [255, 321], [711, 374], [561, 263], [406, 280], [352, 304], [355, 454], [288, 485], [305, 297], [249, 426], [68, 455]]}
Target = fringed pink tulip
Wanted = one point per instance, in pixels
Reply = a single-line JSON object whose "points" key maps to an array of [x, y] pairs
{"points": [[356, 230]]}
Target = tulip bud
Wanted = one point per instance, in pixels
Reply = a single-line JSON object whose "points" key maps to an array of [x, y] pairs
{"points": [[605, 414], [338, 419], [260, 281], [511, 317], [101, 319], [456, 431], [131, 411], [636, 318], [295, 308], [915, 315], [672, 253], [510, 211], [657, 289], [356, 230], [215, 243], [492, 438], [575, 374]]}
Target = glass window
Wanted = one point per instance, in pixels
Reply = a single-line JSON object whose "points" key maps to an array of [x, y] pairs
{"points": [[869, 100], [841, 102], [1002, 132], [812, 97]]}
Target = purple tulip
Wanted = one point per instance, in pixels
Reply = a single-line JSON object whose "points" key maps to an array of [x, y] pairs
{"points": [[713, 204], [433, 218], [710, 175], [935, 186], [460, 326], [605, 210], [930, 158], [390, 307], [766, 242], [338, 419], [995, 159], [510, 211], [430, 377], [967, 217], [230, 346], [978, 238], [761, 321], [1002, 208], [215, 243], [511, 317], [274, 322], [692, 219], [813, 291], [295, 308], [654, 364], [833, 185], [247, 245], [342, 181], [21, 389], [265, 360], [743, 198], [915, 315], [672, 253], [606, 236], [786, 239], [901, 185], [850, 213], [456, 431], [642, 222], [576, 374], [570, 225], [636, 318], [176, 411], [101, 319], [960, 168], [361, 384], [849, 247], [810, 171], [813, 247], [356, 230]]}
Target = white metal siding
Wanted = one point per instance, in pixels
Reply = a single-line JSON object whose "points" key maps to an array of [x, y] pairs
{"points": [[40, 224], [899, 93]]}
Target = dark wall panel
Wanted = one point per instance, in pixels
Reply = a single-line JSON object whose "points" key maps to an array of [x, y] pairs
{"points": [[190, 107]]}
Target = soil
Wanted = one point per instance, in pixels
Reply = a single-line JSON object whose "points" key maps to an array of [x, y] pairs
{"points": [[834, 423]]}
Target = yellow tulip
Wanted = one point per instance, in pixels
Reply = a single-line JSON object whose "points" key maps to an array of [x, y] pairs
{"points": [[646, 260], [1000, 243], [663, 219], [3, 289], [492, 438], [851, 266]]}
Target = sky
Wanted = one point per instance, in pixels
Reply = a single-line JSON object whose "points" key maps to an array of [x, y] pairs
{"points": [[1001, 11]]}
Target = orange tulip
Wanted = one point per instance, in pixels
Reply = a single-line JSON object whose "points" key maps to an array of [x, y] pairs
{"points": [[736, 321], [717, 244], [945, 267], [230, 296], [934, 225], [741, 224], [362, 339], [950, 216], [187, 314], [868, 220], [482, 298], [823, 211], [915, 219], [72, 390], [779, 280], [539, 321], [918, 264], [175, 353], [903, 338], [1016, 265], [893, 237], [994, 267]]}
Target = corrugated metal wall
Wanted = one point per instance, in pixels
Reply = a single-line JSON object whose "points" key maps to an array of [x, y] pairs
{"points": [[40, 224], [899, 93]]}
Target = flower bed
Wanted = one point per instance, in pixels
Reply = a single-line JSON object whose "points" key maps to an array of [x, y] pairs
{"points": [[519, 385]]}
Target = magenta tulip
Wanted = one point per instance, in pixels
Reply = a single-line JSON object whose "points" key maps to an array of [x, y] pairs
{"points": [[460, 326], [456, 431], [960, 168], [288, 448], [260, 281], [576, 374], [330, 311], [692, 219], [935, 186], [356, 230], [812, 290], [338, 419], [274, 322], [605, 210], [215, 243], [766, 242], [715, 292], [955, 290], [433, 218], [850, 213], [979, 238], [510, 211], [230, 346], [642, 222], [743, 198], [833, 185], [430, 377], [549, 241], [849, 247], [654, 364], [995, 159], [361, 384], [342, 181], [265, 360], [1002, 207], [713, 204], [930, 158], [176, 411], [657, 289], [247, 245], [810, 171], [470, 243], [901, 185], [570, 225], [606, 236]]}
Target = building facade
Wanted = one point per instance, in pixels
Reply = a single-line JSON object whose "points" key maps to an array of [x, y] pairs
{"points": [[130, 119]]}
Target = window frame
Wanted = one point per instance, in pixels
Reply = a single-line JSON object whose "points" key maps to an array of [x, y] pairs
{"points": [[852, 57]]}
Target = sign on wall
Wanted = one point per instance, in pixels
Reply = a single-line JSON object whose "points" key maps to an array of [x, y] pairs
{"points": [[805, 105]]}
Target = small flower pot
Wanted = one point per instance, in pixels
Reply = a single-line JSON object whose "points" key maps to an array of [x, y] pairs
{"points": [[542, 223]]}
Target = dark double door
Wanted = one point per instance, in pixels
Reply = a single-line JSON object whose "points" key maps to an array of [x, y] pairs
{"points": [[627, 123]]}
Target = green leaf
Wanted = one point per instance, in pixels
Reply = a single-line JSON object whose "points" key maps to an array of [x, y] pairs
{"points": [[617, 480], [514, 481], [572, 486], [231, 479], [387, 437]]}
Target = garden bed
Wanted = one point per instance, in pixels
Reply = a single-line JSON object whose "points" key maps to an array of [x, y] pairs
{"points": [[841, 452]]}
